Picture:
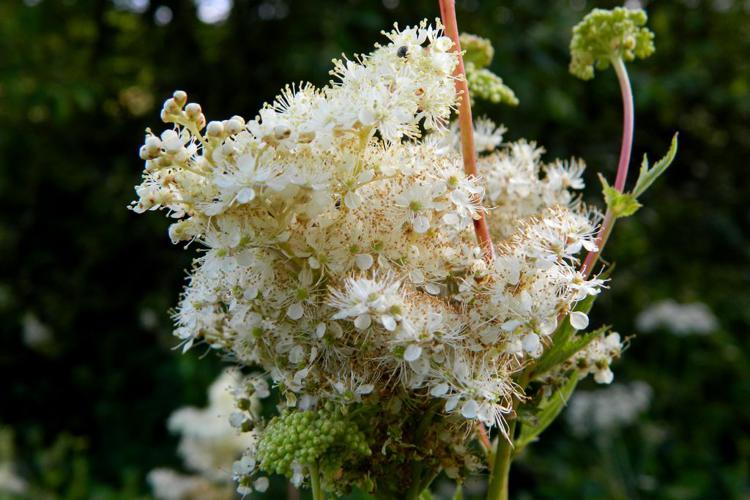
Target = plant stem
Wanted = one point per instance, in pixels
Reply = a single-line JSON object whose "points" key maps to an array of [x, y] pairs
{"points": [[468, 150], [628, 122], [317, 492], [498, 489]]}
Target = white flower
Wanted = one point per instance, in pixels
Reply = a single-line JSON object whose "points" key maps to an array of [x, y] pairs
{"points": [[364, 298], [419, 202]]}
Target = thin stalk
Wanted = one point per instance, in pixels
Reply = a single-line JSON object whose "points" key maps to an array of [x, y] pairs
{"points": [[498, 489], [628, 123], [468, 149], [317, 492]]}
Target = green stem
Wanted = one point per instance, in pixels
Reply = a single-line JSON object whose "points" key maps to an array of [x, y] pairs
{"points": [[416, 482], [317, 492], [626, 148], [498, 489]]}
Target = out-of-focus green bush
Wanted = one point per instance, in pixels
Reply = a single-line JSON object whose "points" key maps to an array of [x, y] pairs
{"points": [[88, 375]]}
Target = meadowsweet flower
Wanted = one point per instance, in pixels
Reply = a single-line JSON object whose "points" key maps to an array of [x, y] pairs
{"points": [[340, 258]]}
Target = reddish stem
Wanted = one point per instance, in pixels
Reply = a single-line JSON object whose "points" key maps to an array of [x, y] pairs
{"points": [[482, 230], [628, 121], [483, 437]]}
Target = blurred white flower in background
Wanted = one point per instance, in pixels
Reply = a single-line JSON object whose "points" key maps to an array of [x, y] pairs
{"points": [[36, 335], [209, 444], [213, 11], [604, 410], [680, 319]]}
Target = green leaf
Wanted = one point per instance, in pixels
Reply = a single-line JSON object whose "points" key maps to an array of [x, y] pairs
{"points": [[547, 411], [565, 350], [620, 204], [647, 175]]}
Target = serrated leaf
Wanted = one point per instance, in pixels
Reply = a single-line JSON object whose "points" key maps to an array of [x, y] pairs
{"points": [[620, 204], [548, 410], [647, 175]]}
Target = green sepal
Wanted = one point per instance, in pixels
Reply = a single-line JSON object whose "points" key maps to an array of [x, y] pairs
{"points": [[648, 176], [605, 35], [545, 413], [426, 495], [620, 204]]}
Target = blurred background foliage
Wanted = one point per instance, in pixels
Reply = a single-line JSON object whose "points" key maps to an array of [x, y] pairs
{"points": [[88, 374]]}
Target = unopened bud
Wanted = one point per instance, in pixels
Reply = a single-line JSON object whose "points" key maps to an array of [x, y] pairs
{"points": [[233, 126], [200, 121], [180, 97], [215, 129], [171, 107], [193, 110]]}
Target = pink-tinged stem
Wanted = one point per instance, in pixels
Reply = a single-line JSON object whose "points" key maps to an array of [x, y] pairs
{"points": [[628, 121], [482, 230]]}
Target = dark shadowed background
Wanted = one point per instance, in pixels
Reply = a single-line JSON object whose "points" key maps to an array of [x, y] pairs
{"points": [[87, 374]]}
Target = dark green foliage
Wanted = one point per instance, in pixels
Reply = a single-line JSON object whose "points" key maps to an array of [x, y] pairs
{"points": [[80, 80]]}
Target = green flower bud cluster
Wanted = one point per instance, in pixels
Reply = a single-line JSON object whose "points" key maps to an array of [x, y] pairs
{"points": [[605, 35], [484, 84], [307, 437], [477, 50]]}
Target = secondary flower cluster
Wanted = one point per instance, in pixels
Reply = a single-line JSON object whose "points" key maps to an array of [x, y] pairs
{"points": [[339, 253]]}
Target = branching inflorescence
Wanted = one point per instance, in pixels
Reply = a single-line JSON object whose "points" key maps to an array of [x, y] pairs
{"points": [[339, 258]]}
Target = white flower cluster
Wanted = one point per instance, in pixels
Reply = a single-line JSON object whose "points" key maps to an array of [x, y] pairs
{"points": [[339, 249], [680, 319], [596, 358], [603, 410], [209, 442]]}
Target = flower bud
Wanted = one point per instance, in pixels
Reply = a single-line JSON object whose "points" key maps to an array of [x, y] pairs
{"points": [[180, 97], [234, 125], [171, 107], [215, 129], [192, 110]]}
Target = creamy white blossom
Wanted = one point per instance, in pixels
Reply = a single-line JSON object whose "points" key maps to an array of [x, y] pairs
{"points": [[339, 250]]}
